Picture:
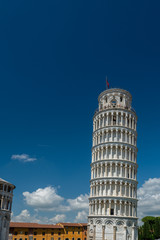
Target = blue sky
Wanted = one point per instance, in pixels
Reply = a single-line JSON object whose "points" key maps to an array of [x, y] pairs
{"points": [[54, 57]]}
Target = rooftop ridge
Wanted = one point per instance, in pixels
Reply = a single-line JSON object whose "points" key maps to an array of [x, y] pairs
{"points": [[39, 225]]}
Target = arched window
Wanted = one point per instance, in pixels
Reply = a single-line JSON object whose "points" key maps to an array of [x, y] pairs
{"points": [[112, 211], [114, 103]]}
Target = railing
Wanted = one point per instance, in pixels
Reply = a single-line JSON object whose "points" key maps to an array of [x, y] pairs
{"points": [[117, 106]]}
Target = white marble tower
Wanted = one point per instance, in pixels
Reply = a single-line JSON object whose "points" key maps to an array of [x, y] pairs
{"points": [[6, 195], [113, 184]]}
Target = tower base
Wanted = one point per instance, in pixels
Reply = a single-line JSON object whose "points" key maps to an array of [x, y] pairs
{"points": [[112, 228]]}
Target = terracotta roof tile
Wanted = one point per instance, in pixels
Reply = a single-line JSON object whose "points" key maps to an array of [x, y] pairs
{"points": [[70, 224], [84, 224], [32, 225], [37, 225]]}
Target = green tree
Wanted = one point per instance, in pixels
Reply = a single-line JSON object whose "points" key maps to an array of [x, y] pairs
{"points": [[140, 233], [149, 219], [146, 231], [157, 228]]}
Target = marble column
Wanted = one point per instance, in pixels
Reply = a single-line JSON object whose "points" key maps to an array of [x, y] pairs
{"points": [[88, 230], [133, 191], [126, 140], [101, 170], [105, 169], [129, 190], [120, 188], [117, 119], [130, 209], [121, 170], [114, 232], [116, 170], [126, 123], [125, 232], [121, 152], [103, 232], [103, 120], [110, 186], [100, 188], [109, 207], [89, 208], [126, 170], [121, 119], [96, 188], [133, 233], [111, 135], [102, 154], [126, 153], [130, 121], [130, 154], [94, 232], [107, 119], [125, 189], [116, 188], [98, 171], [125, 208], [111, 169], [105, 207], [115, 207], [106, 188], [130, 171], [100, 207], [94, 171], [120, 207]]}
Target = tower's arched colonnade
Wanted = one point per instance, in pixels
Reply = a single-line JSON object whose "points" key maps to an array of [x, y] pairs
{"points": [[113, 184]]}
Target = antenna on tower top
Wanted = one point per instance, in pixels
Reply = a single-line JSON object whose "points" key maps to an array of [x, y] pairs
{"points": [[107, 83]]}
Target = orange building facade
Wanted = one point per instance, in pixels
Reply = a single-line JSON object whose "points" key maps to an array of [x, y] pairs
{"points": [[35, 231]]}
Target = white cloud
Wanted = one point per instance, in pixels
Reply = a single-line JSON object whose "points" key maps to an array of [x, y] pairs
{"points": [[25, 216], [58, 218], [81, 202], [43, 199], [81, 216], [23, 158], [149, 198], [47, 199]]}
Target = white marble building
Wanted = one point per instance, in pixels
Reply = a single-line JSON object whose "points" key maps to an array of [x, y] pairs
{"points": [[6, 195], [113, 184]]}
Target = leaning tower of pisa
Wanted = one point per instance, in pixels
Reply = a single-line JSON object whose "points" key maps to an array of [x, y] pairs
{"points": [[113, 184]]}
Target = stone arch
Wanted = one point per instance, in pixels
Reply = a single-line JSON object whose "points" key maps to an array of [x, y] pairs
{"points": [[98, 221], [109, 223], [120, 223]]}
